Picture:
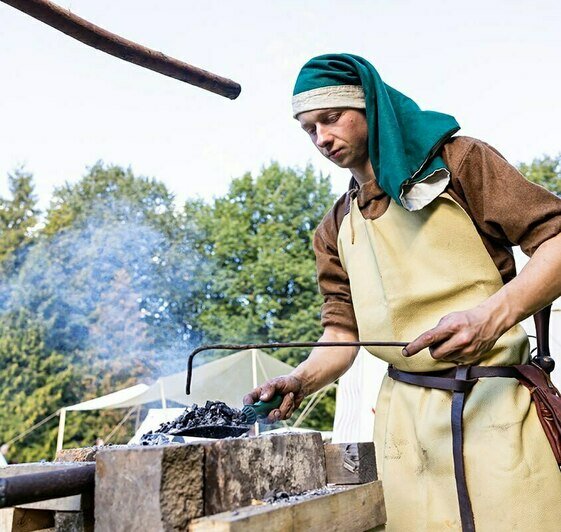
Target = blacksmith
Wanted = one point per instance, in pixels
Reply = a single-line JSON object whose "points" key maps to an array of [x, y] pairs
{"points": [[419, 249]]}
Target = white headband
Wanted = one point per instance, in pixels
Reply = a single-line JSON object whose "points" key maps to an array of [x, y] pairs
{"points": [[328, 97]]}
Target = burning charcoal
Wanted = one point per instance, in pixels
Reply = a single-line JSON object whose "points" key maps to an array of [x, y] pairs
{"points": [[213, 413], [275, 496]]}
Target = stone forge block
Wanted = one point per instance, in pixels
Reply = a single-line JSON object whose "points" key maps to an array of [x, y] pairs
{"points": [[350, 463], [77, 454], [83, 454], [241, 469], [149, 488]]}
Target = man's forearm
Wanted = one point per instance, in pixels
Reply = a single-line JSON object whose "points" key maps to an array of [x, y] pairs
{"points": [[464, 336], [537, 285], [324, 365]]}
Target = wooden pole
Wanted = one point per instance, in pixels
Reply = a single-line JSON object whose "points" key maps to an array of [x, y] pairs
{"points": [[163, 395], [61, 424], [255, 383], [92, 35]]}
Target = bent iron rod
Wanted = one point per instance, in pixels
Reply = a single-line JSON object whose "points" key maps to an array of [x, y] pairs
{"points": [[34, 487], [543, 358], [240, 347]]}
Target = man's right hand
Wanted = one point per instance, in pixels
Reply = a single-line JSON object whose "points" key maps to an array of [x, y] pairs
{"points": [[289, 386]]}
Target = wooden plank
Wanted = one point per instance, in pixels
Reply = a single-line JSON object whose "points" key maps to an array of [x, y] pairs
{"points": [[20, 520], [350, 463], [354, 509]]}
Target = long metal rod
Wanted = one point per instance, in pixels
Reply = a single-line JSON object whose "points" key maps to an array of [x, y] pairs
{"points": [[36, 487], [84, 31], [240, 347]]}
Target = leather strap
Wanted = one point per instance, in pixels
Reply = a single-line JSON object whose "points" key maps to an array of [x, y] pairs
{"points": [[447, 379], [543, 358], [460, 380], [458, 401]]}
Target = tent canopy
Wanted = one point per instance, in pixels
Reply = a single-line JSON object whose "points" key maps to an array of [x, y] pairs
{"points": [[226, 379]]}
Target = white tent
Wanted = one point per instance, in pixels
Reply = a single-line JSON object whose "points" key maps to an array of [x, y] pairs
{"points": [[356, 399], [358, 388], [226, 379]]}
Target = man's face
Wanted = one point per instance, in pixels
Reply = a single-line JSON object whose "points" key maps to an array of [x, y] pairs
{"points": [[339, 134]]}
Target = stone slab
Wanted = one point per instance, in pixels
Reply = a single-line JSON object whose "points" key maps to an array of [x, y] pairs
{"points": [[74, 522], [77, 454], [350, 463], [148, 488], [84, 454], [238, 470]]}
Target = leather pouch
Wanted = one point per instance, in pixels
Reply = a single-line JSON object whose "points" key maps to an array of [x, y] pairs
{"points": [[547, 399]]}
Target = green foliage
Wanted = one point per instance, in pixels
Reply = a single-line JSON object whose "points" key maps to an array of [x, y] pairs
{"points": [[18, 216], [545, 171], [35, 383], [259, 270], [117, 279], [109, 281], [112, 233], [145, 198], [257, 241]]}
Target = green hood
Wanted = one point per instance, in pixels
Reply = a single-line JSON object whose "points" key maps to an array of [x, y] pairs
{"points": [[403, 141]]}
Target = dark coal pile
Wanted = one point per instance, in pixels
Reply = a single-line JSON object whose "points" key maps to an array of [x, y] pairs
{"points": [[213, 413]]}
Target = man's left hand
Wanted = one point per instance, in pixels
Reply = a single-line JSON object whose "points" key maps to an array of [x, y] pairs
{"points": [[462, 337]]}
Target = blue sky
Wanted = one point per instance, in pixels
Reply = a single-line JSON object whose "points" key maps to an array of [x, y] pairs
{"points": [[63, 106]]}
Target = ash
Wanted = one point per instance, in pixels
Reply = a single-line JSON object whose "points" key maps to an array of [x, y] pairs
{"points": [[279, 497], [151, 438], [213, 413]]}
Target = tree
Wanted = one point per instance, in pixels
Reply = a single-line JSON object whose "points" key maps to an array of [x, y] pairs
{"points": [[109, 280], [122, 350], [259, 281], [123, 195], [257, 241], [545, 171], [18, 216], [110, 224], [36, 382]]}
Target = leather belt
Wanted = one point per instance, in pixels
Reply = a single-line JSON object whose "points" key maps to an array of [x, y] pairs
{"points": [[459, 380]]}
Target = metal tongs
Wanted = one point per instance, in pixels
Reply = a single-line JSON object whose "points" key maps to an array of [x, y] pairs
{"points": [[259, 409], [241, 347]]}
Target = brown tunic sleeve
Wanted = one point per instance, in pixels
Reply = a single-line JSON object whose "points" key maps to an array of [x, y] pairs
{"points": [[333, 281], [506, 208]]}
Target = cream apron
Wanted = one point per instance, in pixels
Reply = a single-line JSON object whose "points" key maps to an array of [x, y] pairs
{"points": [[407, 270]]}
